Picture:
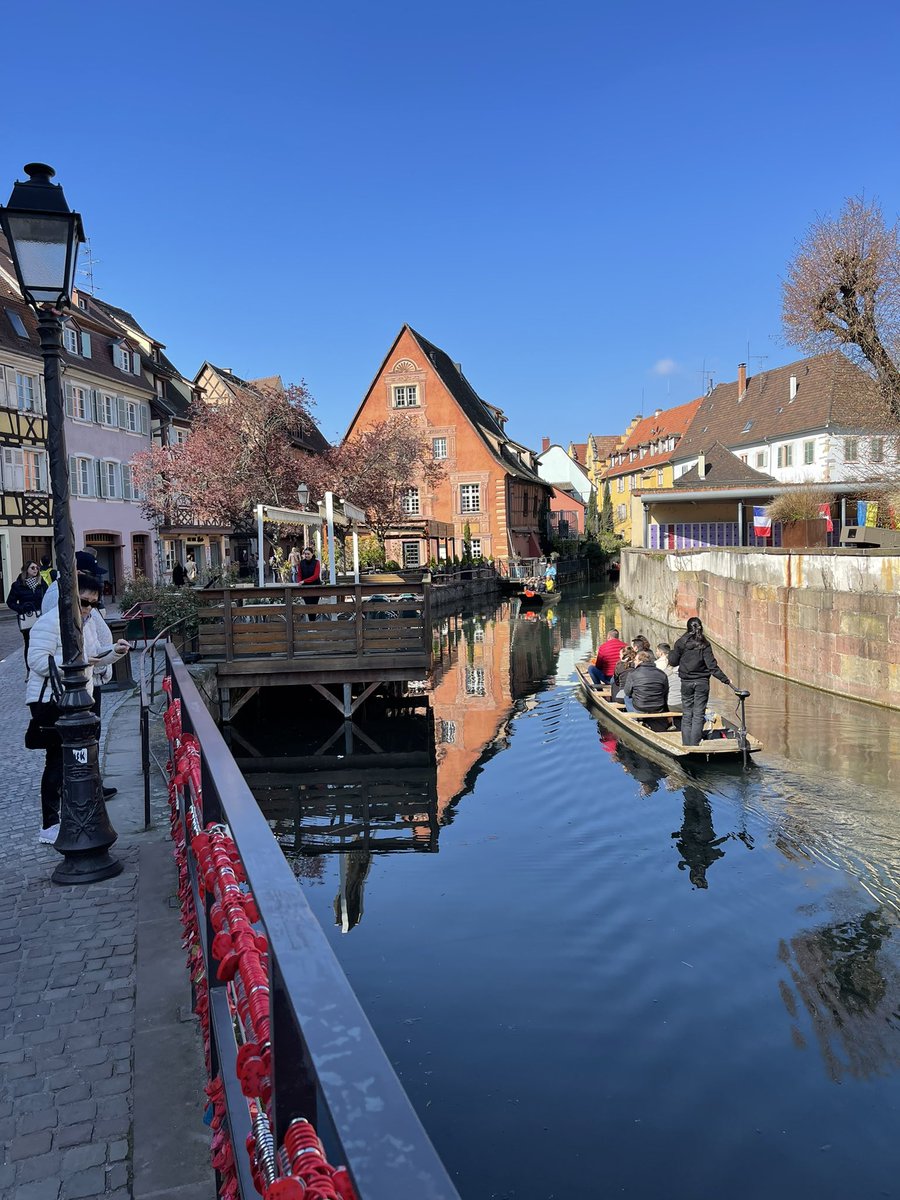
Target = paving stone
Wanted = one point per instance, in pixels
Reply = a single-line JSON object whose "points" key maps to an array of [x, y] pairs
{"points": [[117, 1176], [79, 1158], [44, 1166], [44, 1189], [118, 1150], [29, 1145], [91, 1182], [74, 1114], [73, 1135], [31, 1122]]}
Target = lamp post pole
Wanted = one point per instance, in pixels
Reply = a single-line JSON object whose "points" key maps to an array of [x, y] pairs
{"points": [[39, 227]]}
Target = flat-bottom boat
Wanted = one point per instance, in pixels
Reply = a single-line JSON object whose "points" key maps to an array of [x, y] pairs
{"points": [[724, 740]]}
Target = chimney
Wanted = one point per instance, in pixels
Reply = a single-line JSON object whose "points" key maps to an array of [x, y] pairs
{"points": [[742, 379], [458, 367], [658, 413], [545, 445], [701, 466], [793, 386]]}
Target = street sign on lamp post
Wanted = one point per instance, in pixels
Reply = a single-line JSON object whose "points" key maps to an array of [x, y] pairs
{"points": [[44, 236]]}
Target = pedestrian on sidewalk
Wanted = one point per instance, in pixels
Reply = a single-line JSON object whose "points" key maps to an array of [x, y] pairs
{"points": [[25, 598], [46, 643]]}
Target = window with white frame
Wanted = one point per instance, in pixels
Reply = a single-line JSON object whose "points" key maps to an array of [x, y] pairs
{"points": [[620, 512], [109, 473], [35, 470], [660, 478], [448, 732], [84, 477], [620, 484], [13, 469], [106, 409], [26, 392], [122, 358], [475, 545], [809, 453], [470, 497], [851, 449], [133, 417], [876, 449], [409, 501], [760, 458], [70, 339], [179, 437], [79, 402], [406, 395], [474, 681], [785, 455], [439, 447]]}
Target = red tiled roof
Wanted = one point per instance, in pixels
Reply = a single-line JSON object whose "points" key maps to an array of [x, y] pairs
{"points": [[670, 422]]}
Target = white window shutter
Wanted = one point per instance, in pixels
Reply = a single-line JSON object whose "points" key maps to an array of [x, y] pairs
{"points": [[145, 419], [43, 471], [3, 386], [85, 345], [126, 481], [136, 361], [13, 469], [69, 406], [73, 476], [40, 397], [121, 415]]}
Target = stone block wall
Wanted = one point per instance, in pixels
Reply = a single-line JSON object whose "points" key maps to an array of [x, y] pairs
{"points": [[826, 618]]}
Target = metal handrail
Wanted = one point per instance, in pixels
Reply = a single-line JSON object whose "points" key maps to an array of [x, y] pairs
{"points": [[328, 1065]]}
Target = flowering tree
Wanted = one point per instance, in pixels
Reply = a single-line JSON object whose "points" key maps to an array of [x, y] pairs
{"points": [[236, 455], [374, 468]]}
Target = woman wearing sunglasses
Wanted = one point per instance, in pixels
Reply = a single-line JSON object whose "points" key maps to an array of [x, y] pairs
{"points": [[46, 643]]}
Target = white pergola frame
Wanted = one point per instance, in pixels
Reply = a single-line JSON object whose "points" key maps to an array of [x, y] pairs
{"points": [[330, 513]]}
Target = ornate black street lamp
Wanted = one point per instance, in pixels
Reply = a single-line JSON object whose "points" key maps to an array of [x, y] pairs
{"points": [[44, 236]]}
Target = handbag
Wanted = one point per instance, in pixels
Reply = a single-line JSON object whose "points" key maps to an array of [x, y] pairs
{"points": [[41, 733], [28, 620]]}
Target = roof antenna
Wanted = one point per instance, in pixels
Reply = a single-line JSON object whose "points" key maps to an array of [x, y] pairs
{"points": [[87, 257], [642, 401]]}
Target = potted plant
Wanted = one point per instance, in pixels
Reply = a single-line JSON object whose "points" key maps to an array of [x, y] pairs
{"points": [[800, 513]]}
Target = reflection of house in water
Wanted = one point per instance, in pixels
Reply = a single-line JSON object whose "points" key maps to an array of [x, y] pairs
{"points": [[486, 669], [358, 793], [851, 993]]}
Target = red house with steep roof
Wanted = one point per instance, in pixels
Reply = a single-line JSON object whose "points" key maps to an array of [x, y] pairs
{"points": [[490, 481]]}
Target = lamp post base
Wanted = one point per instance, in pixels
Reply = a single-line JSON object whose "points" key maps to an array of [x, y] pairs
{"points": [[90, 867]]}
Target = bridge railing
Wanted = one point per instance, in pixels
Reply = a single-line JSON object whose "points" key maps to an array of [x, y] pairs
{"points": [[327, 1065], [351, 620]]}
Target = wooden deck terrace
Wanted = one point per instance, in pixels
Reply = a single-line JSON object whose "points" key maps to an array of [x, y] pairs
{"points": [[356, 633]]}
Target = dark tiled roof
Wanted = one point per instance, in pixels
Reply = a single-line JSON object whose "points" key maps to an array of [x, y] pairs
{"points": [[830, 391], [479, 414], [722, 469]]}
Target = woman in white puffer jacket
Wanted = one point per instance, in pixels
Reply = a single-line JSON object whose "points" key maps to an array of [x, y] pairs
{"points": [[46, 642]]}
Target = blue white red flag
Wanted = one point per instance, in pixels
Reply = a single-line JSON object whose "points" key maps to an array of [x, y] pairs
{"points": [[762, 526]]}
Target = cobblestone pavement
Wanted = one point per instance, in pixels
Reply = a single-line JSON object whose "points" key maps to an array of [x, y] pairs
{"points": [[67, 994]]}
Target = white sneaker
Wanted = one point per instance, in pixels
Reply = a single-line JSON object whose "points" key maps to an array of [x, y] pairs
{"points": [[50, 835]]}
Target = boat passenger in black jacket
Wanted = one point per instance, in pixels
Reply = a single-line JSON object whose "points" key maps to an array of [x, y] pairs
{"points": [[693, 656], [647, 689]]}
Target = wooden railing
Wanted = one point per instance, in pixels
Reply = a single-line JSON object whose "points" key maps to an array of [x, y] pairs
{"points": [[341, 621]]}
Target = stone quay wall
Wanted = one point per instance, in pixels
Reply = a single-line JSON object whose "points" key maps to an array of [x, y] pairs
{"points": [[826, 618]]}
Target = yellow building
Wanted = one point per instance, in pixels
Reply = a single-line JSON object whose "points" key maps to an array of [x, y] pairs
{"points": [[644, 459]]}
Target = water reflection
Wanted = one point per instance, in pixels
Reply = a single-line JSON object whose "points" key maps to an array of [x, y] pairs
{"points": [[848, 987]]}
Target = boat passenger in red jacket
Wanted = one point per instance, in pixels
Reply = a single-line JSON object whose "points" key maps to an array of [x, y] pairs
{"points": [[607, 657]]}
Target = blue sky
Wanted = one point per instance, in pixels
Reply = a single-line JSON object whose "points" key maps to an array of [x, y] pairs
{"points": [[581, 202]]}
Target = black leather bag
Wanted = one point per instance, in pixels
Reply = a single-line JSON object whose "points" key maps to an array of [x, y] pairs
{"points": [[42, 733]]}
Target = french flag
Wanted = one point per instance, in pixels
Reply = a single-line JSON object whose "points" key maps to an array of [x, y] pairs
{"points": [[762, 526]]}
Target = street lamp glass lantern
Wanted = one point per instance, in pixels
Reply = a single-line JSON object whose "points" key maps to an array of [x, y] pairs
{"points": [[303, 494], [44, 236]]}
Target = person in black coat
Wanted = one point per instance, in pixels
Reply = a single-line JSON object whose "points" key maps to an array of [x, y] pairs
{"points": [[25, 597], [693, 656], [647, 690], [178, 575]]}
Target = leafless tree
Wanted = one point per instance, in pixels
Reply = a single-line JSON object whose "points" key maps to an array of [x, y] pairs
{"points": [[843, 291]]}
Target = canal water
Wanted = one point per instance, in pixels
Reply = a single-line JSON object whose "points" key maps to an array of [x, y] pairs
{"points": [[596, 974]]}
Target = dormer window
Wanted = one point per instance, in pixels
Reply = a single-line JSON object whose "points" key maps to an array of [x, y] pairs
{"points": [[747, 427], [70, 339]]}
